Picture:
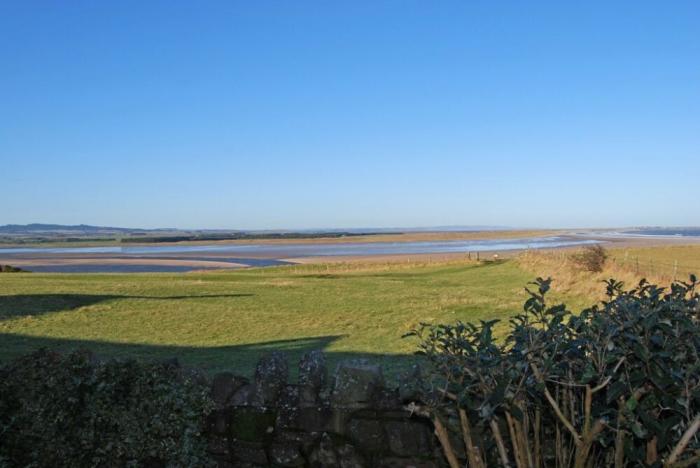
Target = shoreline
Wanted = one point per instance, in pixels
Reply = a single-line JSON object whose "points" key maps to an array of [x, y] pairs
{"points": [[223, 260]]}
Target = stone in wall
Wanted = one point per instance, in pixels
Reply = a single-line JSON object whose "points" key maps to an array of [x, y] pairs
{"points": [[224, 386], [312, 376], [357, 383], [271, 375]]}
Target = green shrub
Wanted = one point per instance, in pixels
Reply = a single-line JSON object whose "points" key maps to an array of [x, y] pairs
{"points": [[617, 385], [10, 269], [72, 411]]}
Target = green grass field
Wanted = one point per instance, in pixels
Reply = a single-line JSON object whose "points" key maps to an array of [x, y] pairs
{"points": [[226, 320]]}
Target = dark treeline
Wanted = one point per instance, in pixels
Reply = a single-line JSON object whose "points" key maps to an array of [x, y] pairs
{"points": [[146, 239], [245, 236], [39, 240]]}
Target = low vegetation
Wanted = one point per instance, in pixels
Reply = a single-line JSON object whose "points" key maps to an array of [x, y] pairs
{"points": [[616, 385], [10, 269], [592, 258], [73, 411]]}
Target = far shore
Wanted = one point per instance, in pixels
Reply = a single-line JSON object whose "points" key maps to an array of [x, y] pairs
{"points": [[426, 236]]}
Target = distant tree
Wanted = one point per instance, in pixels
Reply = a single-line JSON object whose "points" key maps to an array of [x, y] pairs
{"points": [[592, 258]]}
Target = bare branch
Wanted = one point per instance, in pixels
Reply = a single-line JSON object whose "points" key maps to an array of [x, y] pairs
{"points": [[685, 440], [555, 406]]}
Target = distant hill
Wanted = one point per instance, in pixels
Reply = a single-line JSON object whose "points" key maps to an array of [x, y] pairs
{"points": [[86, 229]]}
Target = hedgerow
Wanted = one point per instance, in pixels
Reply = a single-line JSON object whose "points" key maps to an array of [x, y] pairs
{"points": [[616, 385], [74, 411]]}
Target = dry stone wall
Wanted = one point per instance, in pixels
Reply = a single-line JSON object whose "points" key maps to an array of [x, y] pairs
{"points": [[351, 420]]}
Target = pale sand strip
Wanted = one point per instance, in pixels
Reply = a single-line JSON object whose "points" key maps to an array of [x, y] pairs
{"points": [[117, 261], [398, 258]]}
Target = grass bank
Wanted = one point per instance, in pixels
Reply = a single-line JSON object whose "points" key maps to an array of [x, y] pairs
{"points": [[659, 265]]}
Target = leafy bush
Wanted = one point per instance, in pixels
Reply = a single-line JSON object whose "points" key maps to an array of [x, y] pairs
{"points": [[10, 269], [72, 411], [592, 258], [617, 385]]}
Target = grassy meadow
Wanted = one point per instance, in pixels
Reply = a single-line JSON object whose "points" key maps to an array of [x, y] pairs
{"points": [[225, 320]]}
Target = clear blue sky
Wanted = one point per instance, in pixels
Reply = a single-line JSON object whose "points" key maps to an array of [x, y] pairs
{"points": [[296, 114]]}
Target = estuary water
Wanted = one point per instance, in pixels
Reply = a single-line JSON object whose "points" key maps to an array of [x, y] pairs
{"points": [[317, 249], [664, 232]]}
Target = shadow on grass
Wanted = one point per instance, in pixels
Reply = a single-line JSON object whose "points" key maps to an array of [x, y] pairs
{"points": [[239, 359], [21, 305]]}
